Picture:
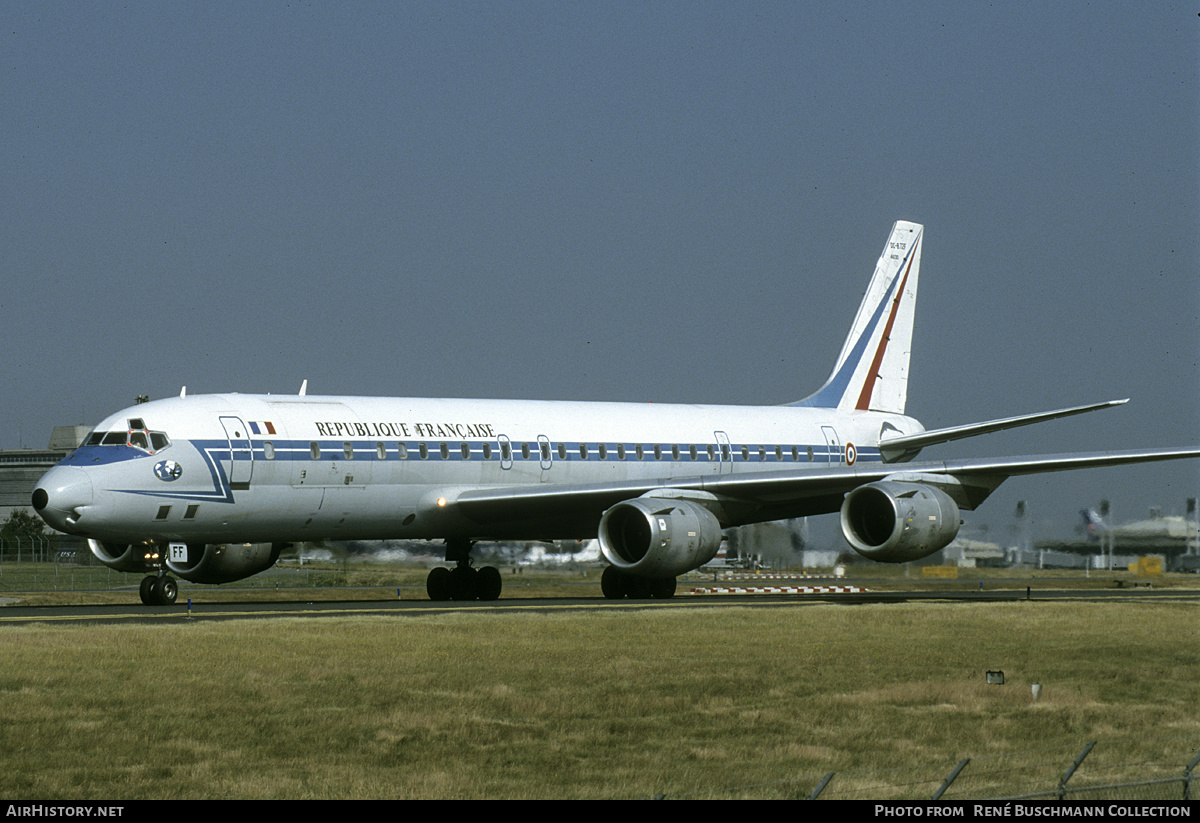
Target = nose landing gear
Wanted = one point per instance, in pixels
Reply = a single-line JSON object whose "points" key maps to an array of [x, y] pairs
{"points": [[161, 590]]}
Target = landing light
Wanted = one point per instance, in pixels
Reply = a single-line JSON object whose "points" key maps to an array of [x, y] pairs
{"points": [[441, 501]]}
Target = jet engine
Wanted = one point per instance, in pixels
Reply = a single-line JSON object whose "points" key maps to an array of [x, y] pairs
{"points": [[199, 563], [125, 557], [221, 563], [893, 522], [659, 537]]}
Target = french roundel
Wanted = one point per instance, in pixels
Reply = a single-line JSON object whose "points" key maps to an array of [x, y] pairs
{"points": [[851, 454]]}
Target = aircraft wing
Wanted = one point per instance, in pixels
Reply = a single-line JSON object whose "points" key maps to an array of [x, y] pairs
{"points": [[754, 496]]}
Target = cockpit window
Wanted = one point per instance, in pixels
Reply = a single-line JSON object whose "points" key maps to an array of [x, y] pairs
{"points": [[139, 437]]}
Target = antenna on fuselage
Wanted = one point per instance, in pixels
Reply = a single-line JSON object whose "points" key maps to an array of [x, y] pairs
{"points": [[304, 387], [183, 392]]}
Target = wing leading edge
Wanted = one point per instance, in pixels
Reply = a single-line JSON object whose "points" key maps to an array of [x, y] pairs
{"points": [[755, 496]]}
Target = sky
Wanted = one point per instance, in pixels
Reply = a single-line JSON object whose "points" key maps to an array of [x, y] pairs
{"points": [[668, 202]]}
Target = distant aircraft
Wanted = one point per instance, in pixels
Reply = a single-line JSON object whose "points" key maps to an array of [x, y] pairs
{"points": [[212, 487], [1093, 524]]}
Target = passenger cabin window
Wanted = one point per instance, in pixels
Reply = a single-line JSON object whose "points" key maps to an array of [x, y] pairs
{"points": [[562, 451], [314, 449], [348, 450], [466, 451], [487, 451], [381, 451], [403, 449], [268, 450]]}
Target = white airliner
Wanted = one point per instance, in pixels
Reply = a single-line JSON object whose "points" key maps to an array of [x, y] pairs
{"points": [[212, 487]]}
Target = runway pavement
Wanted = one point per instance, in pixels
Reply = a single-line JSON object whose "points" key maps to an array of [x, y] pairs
{"points": [[217, 610]]}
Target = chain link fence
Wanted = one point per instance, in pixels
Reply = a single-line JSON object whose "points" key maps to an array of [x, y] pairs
{"points": [[65, 564], [1108, 770]]}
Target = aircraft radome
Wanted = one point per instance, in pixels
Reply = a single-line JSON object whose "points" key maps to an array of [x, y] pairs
{"points": [[211, 487]]}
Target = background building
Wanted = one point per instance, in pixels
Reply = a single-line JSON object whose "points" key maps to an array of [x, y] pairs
{"points": [[20, 469]]}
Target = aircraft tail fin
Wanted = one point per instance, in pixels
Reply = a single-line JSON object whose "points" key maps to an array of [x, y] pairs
{"points": [[872, 369], [1093, 524]]}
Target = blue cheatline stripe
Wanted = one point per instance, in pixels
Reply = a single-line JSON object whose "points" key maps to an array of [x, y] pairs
{"points": [[101, 455], [334, 451], [216, 451], [213, 453]]}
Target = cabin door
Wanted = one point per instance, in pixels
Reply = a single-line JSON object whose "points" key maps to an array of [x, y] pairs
{"points": [[240, 465], [834, 445], [724, 453]]}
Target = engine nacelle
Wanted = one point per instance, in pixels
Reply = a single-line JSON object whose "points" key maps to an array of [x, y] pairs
{"points": [[221, 562], [659, 536], [126, 557], [893, 522]]}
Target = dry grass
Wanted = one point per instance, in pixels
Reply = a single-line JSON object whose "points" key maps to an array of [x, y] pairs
{"points": [[595, 705]]}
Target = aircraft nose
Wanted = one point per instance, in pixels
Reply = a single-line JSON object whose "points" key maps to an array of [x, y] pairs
{"points": [[62, 495]]}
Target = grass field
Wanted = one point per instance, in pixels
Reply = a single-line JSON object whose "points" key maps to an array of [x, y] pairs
{"points": [[593, 705]]}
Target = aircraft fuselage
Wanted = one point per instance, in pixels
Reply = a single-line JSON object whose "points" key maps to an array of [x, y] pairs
{"points": [[250, 468]]}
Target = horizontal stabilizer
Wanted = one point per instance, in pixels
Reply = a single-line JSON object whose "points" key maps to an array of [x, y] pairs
{"points": [[907, 446]]}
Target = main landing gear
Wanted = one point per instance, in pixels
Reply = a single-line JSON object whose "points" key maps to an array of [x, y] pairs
{"points": [[158, 590], [463, 582], [617, 585]]}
